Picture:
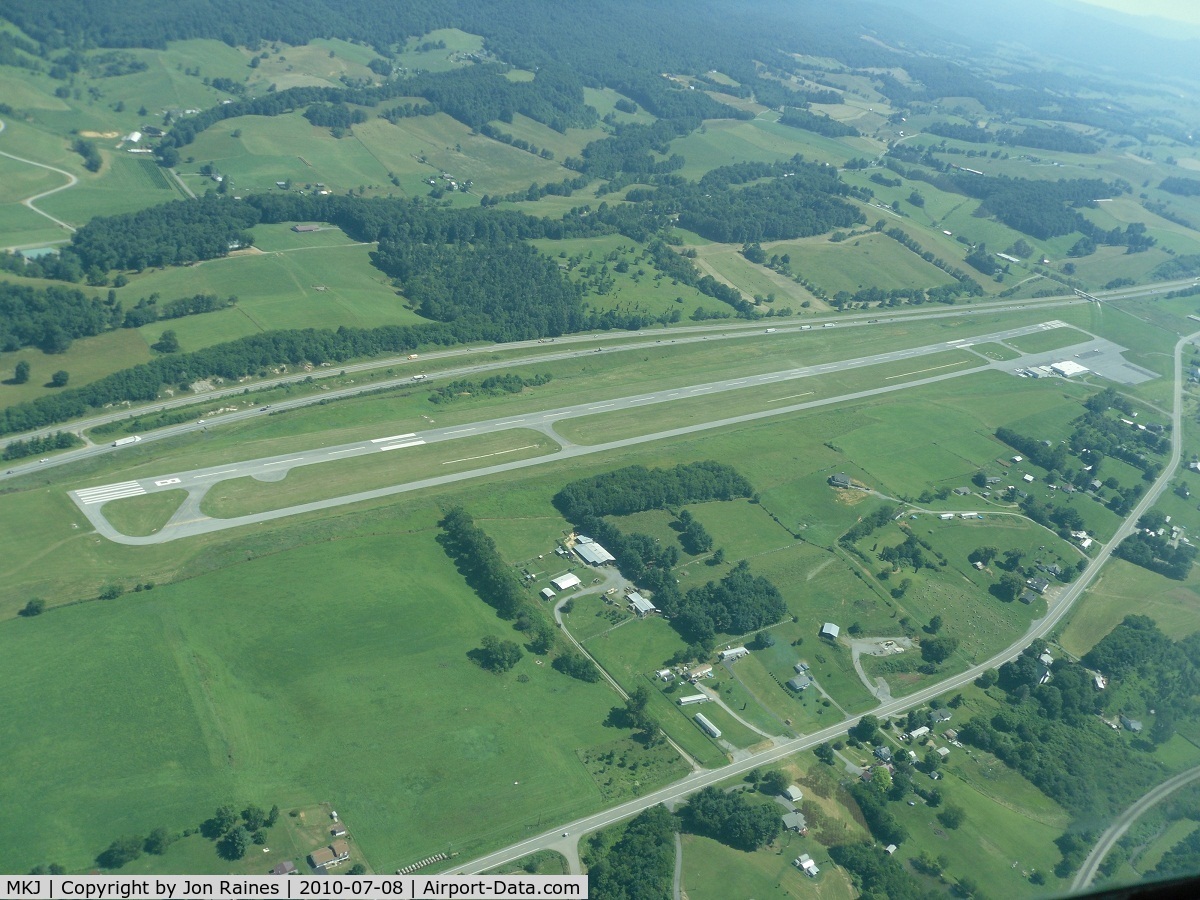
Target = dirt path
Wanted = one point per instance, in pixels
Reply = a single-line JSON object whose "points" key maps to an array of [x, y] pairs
{"points": [[29, 201]]}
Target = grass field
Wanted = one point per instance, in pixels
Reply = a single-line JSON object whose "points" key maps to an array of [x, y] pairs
{"points": [[125, 184], [1051, 339], [713, 871], [1124, 589], [326, 708], [873, 260], [145, 514]]}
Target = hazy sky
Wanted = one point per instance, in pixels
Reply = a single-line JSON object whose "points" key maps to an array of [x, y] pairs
{"points": [[1180, 10]]}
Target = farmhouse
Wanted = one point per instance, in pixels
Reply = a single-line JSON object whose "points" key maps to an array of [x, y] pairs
{"points": [[883, 754], [795, 821], [592, 553], [800, 683], [641, 605], [794, 794], [941, 715], [699, 672], [562, 582], [732, 654], [830, 631], [328, 857], [917, 733], [1038, 584], [840, 480], [711, 729]]}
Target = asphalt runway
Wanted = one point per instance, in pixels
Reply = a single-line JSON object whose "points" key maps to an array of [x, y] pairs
{"points": [[189, 520]]}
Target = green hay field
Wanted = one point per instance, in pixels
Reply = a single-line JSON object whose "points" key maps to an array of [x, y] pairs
{"points": [[308, 676]]}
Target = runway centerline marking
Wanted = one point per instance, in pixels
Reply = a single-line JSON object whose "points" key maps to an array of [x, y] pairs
{"points": [[486, 455], [394, 437], [791, 396], [347, 450], [930, 369], [402, 446], [281, 462]]}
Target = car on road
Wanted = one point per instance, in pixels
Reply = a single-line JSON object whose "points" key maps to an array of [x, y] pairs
{"points": [[263, 408]]}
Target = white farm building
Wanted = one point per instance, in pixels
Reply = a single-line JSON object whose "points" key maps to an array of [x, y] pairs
{"points": [[592, 553], [562, 582]]}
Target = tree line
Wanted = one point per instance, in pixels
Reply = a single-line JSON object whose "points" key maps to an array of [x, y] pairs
{"points": [[493, 580], [492, 386]]}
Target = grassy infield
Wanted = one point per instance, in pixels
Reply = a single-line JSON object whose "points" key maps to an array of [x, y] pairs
{"points": [[325, 659]]}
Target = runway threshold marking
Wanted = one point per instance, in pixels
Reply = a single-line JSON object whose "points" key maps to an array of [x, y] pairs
{"points": [[402, 446], [486, 455], [791, 396], [930, 369], [110, 492]]}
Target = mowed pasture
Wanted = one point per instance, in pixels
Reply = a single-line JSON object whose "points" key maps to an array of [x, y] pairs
{"points": [[125, 184], [301, 677], [872, 260]]}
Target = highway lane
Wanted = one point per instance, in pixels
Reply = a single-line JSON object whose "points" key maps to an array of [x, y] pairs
{"points": [[1040, 628], [611, 342], [189, 521]]}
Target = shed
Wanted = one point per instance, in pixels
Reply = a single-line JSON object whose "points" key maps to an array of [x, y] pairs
{"points": [[562, 582], [943, 752], [945, 517], [1028, 596], [1129, 724], [917, 733], [664, 675], [805, 863], [338, 830], [693, 699], [548, 594], [801, 667], [287, 867], [889, 849], [793, 793], [302, 229], [733, 653], [830, 630], [840, 480]]}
